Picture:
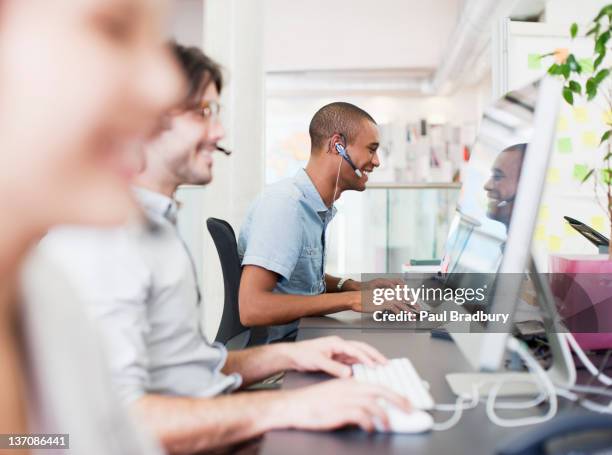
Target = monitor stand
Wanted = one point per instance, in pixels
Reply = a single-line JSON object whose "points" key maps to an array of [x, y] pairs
{"points": [[562, 371]]}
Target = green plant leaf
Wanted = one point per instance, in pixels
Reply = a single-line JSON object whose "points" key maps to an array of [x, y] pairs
{"points": [[594, 30], [600, 44], [554, 69], [574, 29], [599, 59], [591, 88], [608, 156], [568, 95], [601, 75], [605, 136], [586, 177], [605, 11], [575, 87], [572, 63], [565, 70]]}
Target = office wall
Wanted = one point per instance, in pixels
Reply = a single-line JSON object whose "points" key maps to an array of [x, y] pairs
{"points": [[187, 20], [349, 34], [567, 11], [232, 35]]}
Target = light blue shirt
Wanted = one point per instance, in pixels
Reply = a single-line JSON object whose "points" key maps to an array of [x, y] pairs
{"points": [[284, 232], [140, 287]]}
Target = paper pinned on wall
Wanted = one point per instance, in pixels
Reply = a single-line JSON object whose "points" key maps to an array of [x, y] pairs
{"points": [[581, 114], [544, 213], [553, 175], [540, 232], [562, 124], [597, 223], [534, 62], [564, 145], [580, 171], [554, 243], [589, 139]]}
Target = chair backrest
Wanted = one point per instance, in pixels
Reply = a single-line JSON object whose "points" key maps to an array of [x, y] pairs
{"points": [[227, 248]]}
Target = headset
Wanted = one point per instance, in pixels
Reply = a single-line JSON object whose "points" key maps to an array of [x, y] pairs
{"points": [[343, 153], [505, 202]]}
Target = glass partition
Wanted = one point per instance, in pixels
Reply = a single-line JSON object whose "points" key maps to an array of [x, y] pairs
{"points": [[376, 231], [383, 228]]}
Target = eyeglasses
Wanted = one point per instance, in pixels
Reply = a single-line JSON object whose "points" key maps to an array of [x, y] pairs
{"points": [[209, 110]]}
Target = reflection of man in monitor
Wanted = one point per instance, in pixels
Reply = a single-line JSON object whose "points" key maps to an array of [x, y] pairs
{"points": [[503, 183]]}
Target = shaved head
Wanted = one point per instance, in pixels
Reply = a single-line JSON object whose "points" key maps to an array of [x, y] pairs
{"points": [[341, 118]]}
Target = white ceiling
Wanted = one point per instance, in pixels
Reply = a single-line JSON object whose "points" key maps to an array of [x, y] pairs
{"points": [[357, 34]]}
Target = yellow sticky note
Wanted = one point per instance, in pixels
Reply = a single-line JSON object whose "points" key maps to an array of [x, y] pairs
{"points": [[607, 117], [589, 139], [554, 243], [569, 230], [540, 232], [581, 115], [544, 213], [562, 123], [597, 223], [553, 175]]}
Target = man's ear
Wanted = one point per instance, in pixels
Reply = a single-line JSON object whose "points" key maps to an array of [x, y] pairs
{"points": [[335, 139]]}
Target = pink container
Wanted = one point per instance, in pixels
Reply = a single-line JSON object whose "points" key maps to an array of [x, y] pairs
{"points": [[582, 286]]}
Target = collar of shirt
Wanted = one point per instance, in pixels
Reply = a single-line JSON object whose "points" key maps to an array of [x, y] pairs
{"points": [[157, 204], [312, 196]]}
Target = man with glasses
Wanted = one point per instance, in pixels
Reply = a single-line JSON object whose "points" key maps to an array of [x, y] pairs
{"points": [[144, 293]]}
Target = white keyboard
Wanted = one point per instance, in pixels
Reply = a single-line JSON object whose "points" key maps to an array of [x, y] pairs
{"points": [[400, 376]]}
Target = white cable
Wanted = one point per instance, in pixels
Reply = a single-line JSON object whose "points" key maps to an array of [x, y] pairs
{"points": [[591, 390], [605, 380], [457, 409], [337, 179], [331, 210], [545, 385], [522, 404], [461, 405], [587, 404]]}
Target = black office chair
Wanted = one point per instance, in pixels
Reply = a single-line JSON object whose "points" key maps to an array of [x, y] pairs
{"points": [[231, 332]]}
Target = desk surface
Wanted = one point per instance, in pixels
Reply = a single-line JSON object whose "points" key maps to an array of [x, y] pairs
{"points": [[432, 358], [357, 321]]}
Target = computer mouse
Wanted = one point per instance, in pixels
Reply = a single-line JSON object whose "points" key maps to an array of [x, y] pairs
{"points": [[416, 421]]}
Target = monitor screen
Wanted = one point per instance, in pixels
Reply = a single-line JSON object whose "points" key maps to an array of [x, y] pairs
{"points": [[479, 230]]}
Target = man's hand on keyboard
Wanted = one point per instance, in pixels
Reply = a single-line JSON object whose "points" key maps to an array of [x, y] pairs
{"points": [[333, 355], [363, 302], [340, 402], [378, 283]]}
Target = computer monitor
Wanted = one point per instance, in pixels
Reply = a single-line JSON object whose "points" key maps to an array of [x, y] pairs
{"points": [[496, 215]]}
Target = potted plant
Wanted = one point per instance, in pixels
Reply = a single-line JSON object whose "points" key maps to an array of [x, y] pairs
{"points": [[583, 301], [589, 83]]}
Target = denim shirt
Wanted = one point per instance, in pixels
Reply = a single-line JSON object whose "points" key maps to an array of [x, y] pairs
{"points": [[284, 232]]}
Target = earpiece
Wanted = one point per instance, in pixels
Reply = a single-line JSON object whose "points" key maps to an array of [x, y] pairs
{"points": [[505, 202], [342, 152]]}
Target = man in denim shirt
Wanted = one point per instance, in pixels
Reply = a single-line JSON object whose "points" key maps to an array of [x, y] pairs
{"points": [[282, 241]]}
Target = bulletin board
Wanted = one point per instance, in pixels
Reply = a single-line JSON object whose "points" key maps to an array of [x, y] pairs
{"points": [[576, 145]]}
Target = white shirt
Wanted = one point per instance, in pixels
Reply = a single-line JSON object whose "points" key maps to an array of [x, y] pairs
{"points": [[140, 286], [68, 383]]}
